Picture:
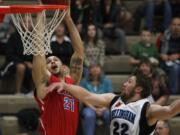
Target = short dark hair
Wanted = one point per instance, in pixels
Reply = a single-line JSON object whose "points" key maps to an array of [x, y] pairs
{"points": [[145, 61], [144, 82]]}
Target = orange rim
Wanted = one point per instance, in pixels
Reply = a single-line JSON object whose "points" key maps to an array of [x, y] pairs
{"points": [[29, 8], [4, 9]]}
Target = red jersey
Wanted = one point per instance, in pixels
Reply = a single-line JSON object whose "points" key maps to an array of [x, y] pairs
{"points": [[59, 111]]}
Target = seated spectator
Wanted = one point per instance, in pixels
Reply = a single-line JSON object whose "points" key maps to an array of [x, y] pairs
{"points": [[160, 92], [151, 9], [94, 48], [61, 45], [162, 128], [96, 82], [107, 21], [170, 54], [21, 62], [144, 49], [158, 8]]}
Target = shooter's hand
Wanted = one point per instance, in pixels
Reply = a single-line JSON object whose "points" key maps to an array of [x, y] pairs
{"points": [[68, 14]]}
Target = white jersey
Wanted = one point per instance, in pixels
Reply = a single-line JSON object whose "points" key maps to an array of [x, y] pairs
{"points": [[129, 119]]}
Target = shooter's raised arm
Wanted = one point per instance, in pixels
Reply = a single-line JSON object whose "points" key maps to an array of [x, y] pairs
{"points": [[76, 64], [40, 73]]}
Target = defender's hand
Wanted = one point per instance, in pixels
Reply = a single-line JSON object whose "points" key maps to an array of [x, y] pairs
{"points": [[59, 86]]}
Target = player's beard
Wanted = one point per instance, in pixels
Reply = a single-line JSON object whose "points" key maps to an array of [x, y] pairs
{"points": [[125, 97], [58, 74]]}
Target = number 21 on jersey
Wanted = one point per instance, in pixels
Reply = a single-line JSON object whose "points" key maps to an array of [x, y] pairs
{"points": [[69, 104]]}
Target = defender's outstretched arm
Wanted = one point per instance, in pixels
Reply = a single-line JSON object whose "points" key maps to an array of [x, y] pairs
{"points": [[91, 99]]}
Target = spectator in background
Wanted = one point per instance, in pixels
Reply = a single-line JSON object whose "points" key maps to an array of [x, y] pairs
{"points": [[150, 10], [124, 17], [94, 48], [61, 45], [170, 54], [144, 49], [22, 63], [162, 128], [106, 20], [6, 29], [96, 82], [160, 92], [158, 41], [175, 4], [82, 13], [138, 14], [160, 8]]}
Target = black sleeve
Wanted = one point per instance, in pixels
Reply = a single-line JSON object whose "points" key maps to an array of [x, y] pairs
{"points": [[114, 100], [145, 129]]}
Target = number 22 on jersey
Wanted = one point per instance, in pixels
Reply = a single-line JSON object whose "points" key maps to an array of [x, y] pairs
{"points": [[120, 129]]}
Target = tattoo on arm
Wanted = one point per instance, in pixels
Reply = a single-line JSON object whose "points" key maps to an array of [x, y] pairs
{"points": [[76, 67], [76, 64], [45, 80]]}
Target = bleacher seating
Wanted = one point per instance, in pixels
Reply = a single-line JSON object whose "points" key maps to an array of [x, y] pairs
{"points": [[173, 98], [9, 125], [117, 64], [12, 104], [174, 126]]}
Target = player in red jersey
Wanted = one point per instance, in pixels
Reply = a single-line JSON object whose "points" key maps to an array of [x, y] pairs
{"points": [[59, 111]]}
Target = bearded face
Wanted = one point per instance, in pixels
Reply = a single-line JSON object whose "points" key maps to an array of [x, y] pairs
{"points": [[128, 88]]}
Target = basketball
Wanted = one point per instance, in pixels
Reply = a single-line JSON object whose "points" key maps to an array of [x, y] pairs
{"points": [[54, 2]]}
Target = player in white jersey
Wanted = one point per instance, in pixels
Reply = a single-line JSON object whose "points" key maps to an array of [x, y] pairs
{"points": [[129, 119], [131, 112]]}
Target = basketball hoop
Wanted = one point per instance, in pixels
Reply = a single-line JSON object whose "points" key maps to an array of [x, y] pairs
{"points": [[36, 40]]}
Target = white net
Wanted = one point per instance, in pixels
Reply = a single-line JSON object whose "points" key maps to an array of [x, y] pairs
{"points": [[36, 41]]}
